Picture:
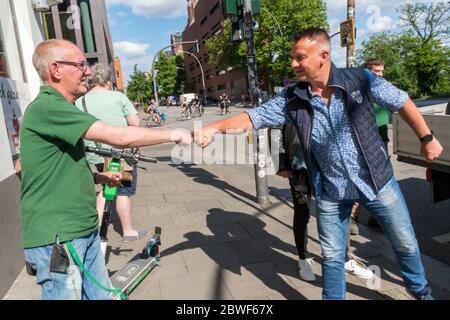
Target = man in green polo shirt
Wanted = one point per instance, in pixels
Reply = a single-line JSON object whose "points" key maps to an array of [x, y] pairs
{"points": [[58, 203]]}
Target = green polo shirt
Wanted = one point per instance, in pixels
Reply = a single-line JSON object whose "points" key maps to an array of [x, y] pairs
{"points": [[58, 194], [381, 115]]}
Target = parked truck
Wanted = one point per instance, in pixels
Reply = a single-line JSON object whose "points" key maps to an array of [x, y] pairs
{"points": [[407, 148]]}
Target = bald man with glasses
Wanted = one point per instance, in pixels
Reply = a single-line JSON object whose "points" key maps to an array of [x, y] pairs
{"points": [[58, 203]]}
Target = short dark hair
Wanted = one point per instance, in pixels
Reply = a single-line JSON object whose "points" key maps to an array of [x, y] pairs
{"points": [[311, 33], [373, 62]]}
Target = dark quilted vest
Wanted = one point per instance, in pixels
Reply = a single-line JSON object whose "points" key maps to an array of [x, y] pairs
{"points": [[354, 84]]}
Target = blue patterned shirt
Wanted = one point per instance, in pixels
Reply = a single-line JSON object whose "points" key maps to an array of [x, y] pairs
{"points": [[343, 171]]}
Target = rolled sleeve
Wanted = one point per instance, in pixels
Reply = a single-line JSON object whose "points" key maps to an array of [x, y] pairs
{"points": [[385, 93], [270, 114]]}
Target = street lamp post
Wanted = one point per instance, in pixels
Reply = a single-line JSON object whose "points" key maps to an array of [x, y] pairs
{"points": [[201, 69], [351, 48], [153, 65]]}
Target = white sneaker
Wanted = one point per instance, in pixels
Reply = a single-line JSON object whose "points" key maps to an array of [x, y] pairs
{"points": [[358, 269], [305, 271]]}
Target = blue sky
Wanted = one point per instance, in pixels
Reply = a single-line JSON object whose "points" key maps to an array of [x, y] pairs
{"points": [[140, 28]]}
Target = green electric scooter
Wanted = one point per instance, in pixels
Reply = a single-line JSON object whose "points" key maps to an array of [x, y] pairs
{"points": [[132, 274]]}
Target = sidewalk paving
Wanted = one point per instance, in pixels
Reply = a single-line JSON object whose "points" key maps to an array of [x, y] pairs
{"points": [[217, 243]]}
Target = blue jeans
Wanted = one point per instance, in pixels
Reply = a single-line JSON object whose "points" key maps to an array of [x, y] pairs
{"points": [[392, 214], [74, 285]]}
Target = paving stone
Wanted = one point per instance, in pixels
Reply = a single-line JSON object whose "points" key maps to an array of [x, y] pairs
{"points": [[196, 286]]}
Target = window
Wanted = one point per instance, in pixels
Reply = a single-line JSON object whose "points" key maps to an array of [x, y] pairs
{"points": [[67, 23], [216, 28], [231, 85], [211, 89], [3, 64], [48, 26], [222, 86], [204, 38], [203, 20], [209, 74], [214, 9], [92, 61]]}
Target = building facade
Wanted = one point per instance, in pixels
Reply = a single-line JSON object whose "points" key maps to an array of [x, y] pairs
{"points": [[85, 23], [175, 40], [205, 19], [120, 86]]}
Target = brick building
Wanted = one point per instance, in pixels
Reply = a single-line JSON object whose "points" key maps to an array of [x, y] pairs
{"points": [[176, 38], [118, 75], [205, 19]]}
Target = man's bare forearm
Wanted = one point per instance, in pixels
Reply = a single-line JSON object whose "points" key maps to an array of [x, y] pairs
{"points": [[127, 137], [412, 116], [239, 123]]}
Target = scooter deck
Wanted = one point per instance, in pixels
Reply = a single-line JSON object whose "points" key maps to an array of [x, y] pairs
{"points": [[132, 274]]}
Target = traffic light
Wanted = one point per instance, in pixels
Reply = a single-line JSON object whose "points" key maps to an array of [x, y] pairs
{"points": [[230, 7], [237, 28], [235, 10], [347, 33], [256, 7]]}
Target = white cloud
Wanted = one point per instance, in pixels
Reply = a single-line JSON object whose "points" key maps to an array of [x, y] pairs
{"points": [[382, 24], [143, 63], [153, 8], [132, 53], [131, 49], [111, 20], [122, 13]]}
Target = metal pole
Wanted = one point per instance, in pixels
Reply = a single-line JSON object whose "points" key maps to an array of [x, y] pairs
{"points": [[262, 193], [350, 49], [201, 69], [153, 66]]}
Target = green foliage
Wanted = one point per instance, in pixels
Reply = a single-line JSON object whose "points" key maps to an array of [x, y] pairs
{"points": [[292, 15], [181, 78], [416, 60], [170, 78], [140, 86]]}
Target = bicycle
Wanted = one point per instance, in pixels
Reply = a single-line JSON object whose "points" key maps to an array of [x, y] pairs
{"points": [[198, 111], [184, 113]]}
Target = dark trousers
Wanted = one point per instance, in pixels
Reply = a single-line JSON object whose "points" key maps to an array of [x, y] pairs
{"points": [[301, 219]]}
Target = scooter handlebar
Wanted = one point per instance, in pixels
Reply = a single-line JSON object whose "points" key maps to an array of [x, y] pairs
{"points": [[117, 153], [147, 159]]}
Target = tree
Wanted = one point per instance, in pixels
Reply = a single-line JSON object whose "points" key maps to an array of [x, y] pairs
{"points": [[428, 21], [429, 24], [417, 59], [181, 78], [170, 76], [393, 52], [292, 15], [140, 87]]}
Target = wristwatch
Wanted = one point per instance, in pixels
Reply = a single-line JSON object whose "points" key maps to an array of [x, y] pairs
{"points": [[427, 138]]}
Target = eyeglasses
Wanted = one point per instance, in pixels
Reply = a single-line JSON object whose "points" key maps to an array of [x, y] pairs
{"points": [[83, 65]]}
